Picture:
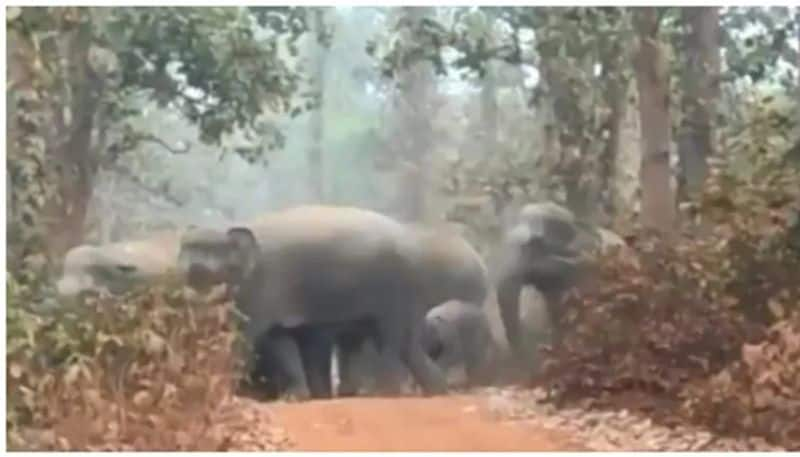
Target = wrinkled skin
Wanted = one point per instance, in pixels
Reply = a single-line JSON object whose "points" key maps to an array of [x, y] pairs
{"points": [[457, 337], [537, 251], [322, 269], [117, 267], [450, 269], [544, 248]]}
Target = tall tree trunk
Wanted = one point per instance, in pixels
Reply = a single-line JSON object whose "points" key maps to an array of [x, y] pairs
{"points": [[652, 76], [617, 90], [75, 157], [700, 93], [416, 93], [565, 132], [489, 108], [316, 184]]}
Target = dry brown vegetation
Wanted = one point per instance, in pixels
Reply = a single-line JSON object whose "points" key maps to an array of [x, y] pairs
{"points": [[705, 329], [152, 370]]}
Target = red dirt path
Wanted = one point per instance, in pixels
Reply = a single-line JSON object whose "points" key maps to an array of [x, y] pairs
{"points": [[448, 423]]}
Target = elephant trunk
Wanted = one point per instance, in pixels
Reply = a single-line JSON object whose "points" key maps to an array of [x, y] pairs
{"points": [[508, 291]]}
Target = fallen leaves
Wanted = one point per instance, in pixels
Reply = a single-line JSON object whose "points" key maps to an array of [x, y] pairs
{"points": [[617, 430]]}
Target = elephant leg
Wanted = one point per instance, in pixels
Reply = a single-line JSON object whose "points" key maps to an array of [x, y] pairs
{"points": [[391, 374], [350, 354], [283, 349], [508, 291], [402, 337], [316, 348], [474, 361]]}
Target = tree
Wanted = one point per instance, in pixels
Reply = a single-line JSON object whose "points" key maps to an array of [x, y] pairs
{"points": [[415, 94], [658, 209], [319, 53], [700, 81], [80, 68]]}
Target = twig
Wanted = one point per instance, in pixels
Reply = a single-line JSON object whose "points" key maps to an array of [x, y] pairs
{"points": [[154, 139], [128, 173]]}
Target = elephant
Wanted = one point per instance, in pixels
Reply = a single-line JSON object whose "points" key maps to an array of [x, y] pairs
{"points": [[543, 248], [450, 269], [118, 267], [457, 336], [293, 363], [324, 270]]}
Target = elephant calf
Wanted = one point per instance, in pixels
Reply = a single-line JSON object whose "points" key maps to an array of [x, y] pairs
{"points": [[457, 336]]}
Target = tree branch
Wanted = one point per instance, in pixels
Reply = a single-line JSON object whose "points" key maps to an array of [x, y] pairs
{"points": [[128, 173], [154, 139]]}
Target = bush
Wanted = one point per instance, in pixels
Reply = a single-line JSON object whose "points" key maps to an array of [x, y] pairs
{"points": [[151, 370], [758, 394], [706, 323], [649, 325]]}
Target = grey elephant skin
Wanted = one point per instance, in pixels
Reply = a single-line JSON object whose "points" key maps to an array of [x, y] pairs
{"points": [[118, 267], [323, 270], [457, 337], [544, 247], [449, 268]]}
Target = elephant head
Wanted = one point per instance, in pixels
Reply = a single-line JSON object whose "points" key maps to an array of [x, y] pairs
{"points": [[538, 251], [117, 267], [209, 257]]}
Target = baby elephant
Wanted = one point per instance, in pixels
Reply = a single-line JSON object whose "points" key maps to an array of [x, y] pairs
{"points": [[457, 336]]}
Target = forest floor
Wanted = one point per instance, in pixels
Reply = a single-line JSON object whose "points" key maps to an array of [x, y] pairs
{"points": [[491, 419]]}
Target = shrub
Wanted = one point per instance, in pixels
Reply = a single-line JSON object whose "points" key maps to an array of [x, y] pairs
{"points": [[707, 322], [150, 370], [758, 394]]}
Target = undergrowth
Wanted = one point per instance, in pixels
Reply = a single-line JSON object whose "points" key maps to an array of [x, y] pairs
{"points": [[150, 370], [708, 323]]}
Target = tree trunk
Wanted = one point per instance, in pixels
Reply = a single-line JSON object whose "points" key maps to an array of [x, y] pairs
{"points": [[700, 92], [617, 92], [489, 109], [76, 157], [652, 76], [417, 91], [315, 184]]}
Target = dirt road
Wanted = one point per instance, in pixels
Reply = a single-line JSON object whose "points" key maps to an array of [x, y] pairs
{"points": [[448, 423]]}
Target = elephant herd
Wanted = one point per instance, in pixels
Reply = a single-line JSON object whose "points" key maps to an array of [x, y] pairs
{"points": [[317, 280]]}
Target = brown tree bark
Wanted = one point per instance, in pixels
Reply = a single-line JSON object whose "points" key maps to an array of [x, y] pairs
{"points": [[618, 104], [489, 109], [652, 77], [315, 178], [700, 81], [75, 157], [617, 89], [417, 92]]}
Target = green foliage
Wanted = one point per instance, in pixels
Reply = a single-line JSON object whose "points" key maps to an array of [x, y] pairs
{"points": [[219, 66], [756, 39], [758, 140], [79, 76]]}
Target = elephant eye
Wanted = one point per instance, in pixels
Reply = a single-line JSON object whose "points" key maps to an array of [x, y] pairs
{"points": [[125, 269]]}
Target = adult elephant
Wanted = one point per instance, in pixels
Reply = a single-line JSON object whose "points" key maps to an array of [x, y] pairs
{"points": [[324, 268], [543, 248], [448, 268], [120, 266]]}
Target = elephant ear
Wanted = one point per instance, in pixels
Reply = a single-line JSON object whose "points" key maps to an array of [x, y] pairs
{"points": [[244, 251]]}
